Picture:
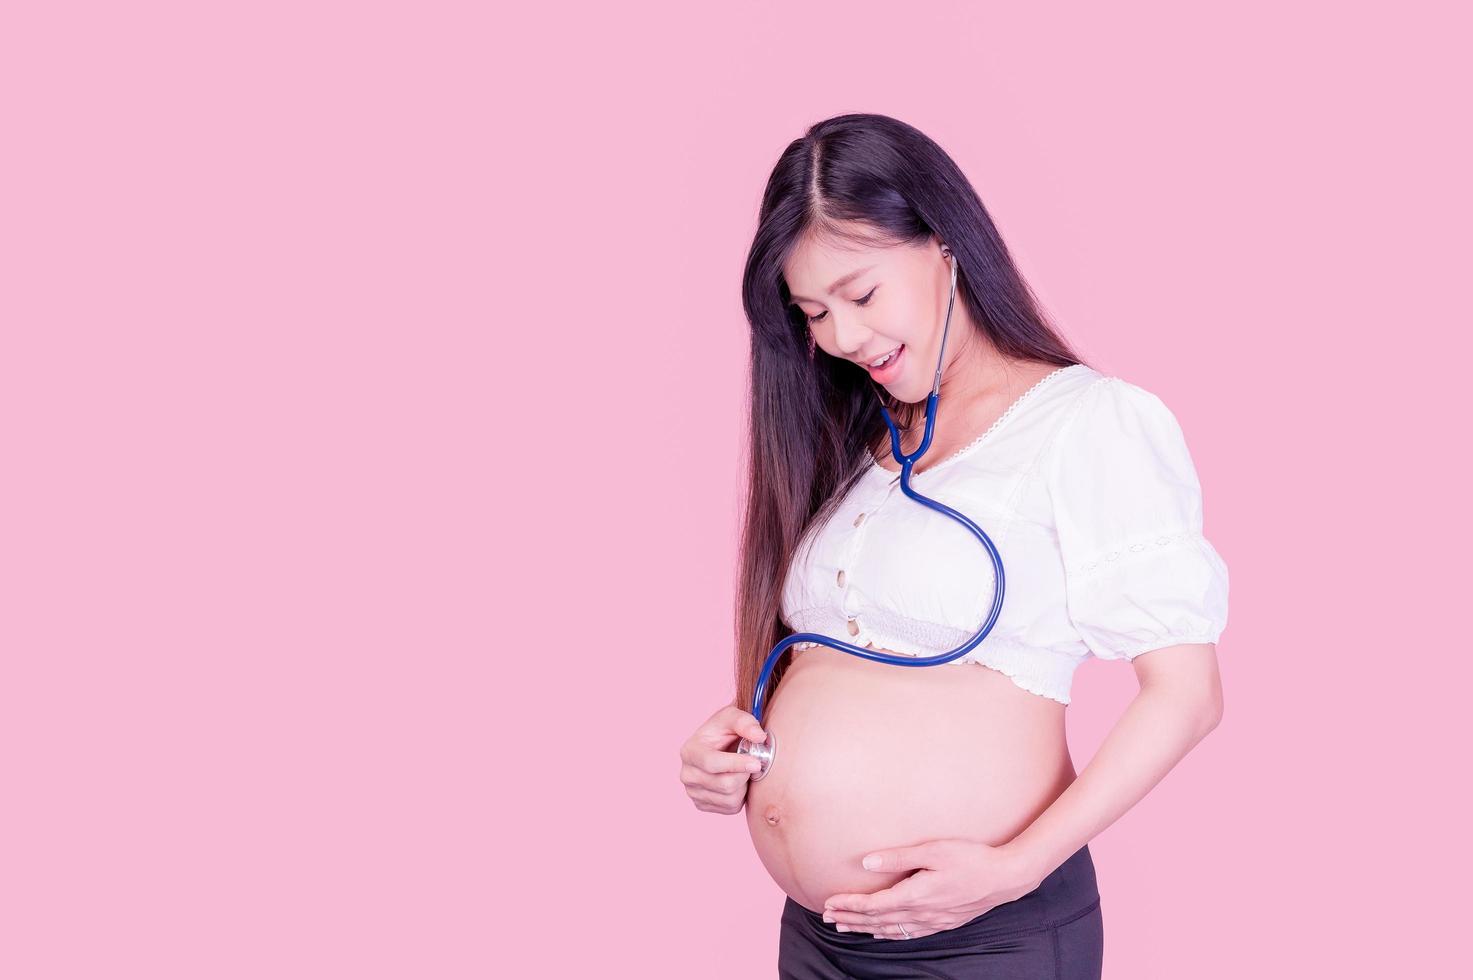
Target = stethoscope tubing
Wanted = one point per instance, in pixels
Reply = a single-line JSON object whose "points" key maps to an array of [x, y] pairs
{"points": [[765, 751], [760, 695]]}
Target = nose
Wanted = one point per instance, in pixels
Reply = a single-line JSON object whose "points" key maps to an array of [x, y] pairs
{"points": [[850, 336]]}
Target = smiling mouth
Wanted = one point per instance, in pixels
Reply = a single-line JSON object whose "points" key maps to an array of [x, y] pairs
{"points": [[887, 358], [889, 370]]}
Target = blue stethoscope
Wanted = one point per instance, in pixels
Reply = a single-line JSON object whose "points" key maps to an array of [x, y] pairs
{"points": [[766, 751]]}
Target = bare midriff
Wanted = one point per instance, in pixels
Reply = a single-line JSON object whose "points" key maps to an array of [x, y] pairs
{"points": [[872, 755]]}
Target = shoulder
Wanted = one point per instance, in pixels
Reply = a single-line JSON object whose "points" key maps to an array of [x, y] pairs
{"points": [[1119, 430], [1104, 405]]}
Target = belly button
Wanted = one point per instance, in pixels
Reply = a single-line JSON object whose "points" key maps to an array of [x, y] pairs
{"points": [[772, 815]]}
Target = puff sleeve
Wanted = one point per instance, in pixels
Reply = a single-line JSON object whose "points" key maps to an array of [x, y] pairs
{"points": [[1127, 505]]}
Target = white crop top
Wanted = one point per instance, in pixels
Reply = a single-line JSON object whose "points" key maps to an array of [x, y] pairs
{"points": [[1089, 494]]}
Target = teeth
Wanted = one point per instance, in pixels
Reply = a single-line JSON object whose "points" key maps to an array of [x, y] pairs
{"points": [[884, 359]]}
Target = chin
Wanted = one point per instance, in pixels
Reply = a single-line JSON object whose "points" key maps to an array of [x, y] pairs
{"points": [[908, 391]]}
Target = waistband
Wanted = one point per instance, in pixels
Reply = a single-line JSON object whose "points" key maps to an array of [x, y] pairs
{"points": [[1069, 891]]}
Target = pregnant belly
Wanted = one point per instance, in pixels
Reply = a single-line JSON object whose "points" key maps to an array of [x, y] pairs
{"points": [[873, 755]]}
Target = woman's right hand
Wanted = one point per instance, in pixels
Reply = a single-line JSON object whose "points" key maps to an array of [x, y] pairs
{"points": [[715, 778]]}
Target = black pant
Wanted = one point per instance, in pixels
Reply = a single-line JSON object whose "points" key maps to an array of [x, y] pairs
{"points": [[1055, 932]]}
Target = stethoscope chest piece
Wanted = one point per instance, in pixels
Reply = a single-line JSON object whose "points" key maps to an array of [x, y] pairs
{"points": [[764, 752]]}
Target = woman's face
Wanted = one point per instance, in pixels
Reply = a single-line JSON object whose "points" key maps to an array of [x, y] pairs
{"points": [[863, 302]]}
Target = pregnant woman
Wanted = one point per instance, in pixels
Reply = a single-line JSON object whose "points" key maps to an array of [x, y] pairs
{"points": [[928, 821]]}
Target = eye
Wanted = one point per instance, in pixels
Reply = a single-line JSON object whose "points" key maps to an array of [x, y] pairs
{"points": [[862, 301]]}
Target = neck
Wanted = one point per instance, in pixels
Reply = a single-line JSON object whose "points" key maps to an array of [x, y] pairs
{"points": [[975, 378]]}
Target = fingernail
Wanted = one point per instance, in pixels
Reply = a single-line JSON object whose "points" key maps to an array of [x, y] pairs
{"points": [[871, 862], [754, 767], [842, 928], [827, 917]]}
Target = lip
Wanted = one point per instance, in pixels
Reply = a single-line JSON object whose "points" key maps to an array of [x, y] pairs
{"points": [[891, 370]]}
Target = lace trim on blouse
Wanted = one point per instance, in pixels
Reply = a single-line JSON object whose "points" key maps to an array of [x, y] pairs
{"points": [[1153, 543], [969, 447]]}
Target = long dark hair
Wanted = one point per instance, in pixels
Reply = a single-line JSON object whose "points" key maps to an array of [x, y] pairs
{"points": [[871, 180]]}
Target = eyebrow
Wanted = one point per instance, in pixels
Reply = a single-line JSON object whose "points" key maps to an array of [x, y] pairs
{"points": [[839, 283]]}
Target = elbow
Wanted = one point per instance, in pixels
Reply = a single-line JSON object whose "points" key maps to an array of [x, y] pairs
{"points": [[1211, 710], [1191, 682], [1209, 697], [1212, 719]]}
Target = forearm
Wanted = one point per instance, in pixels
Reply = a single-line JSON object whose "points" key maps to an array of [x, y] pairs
{"points": [[1158, 728]]}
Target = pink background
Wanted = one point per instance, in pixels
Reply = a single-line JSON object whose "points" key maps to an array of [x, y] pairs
{"points": [[371, 394]]}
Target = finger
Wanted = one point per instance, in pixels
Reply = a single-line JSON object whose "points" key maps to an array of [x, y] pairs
{"points": [[893, 932], [846, 903], [732, 783], [725, 802], [903, 896], [924, 855], [715, 762], [727, 808], [727, 740], [861, 917], [735, 721], [868, 922], [725, 784]]}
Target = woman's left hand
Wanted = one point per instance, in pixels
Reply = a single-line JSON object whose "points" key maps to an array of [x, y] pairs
{"points": [[957, 880]]}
